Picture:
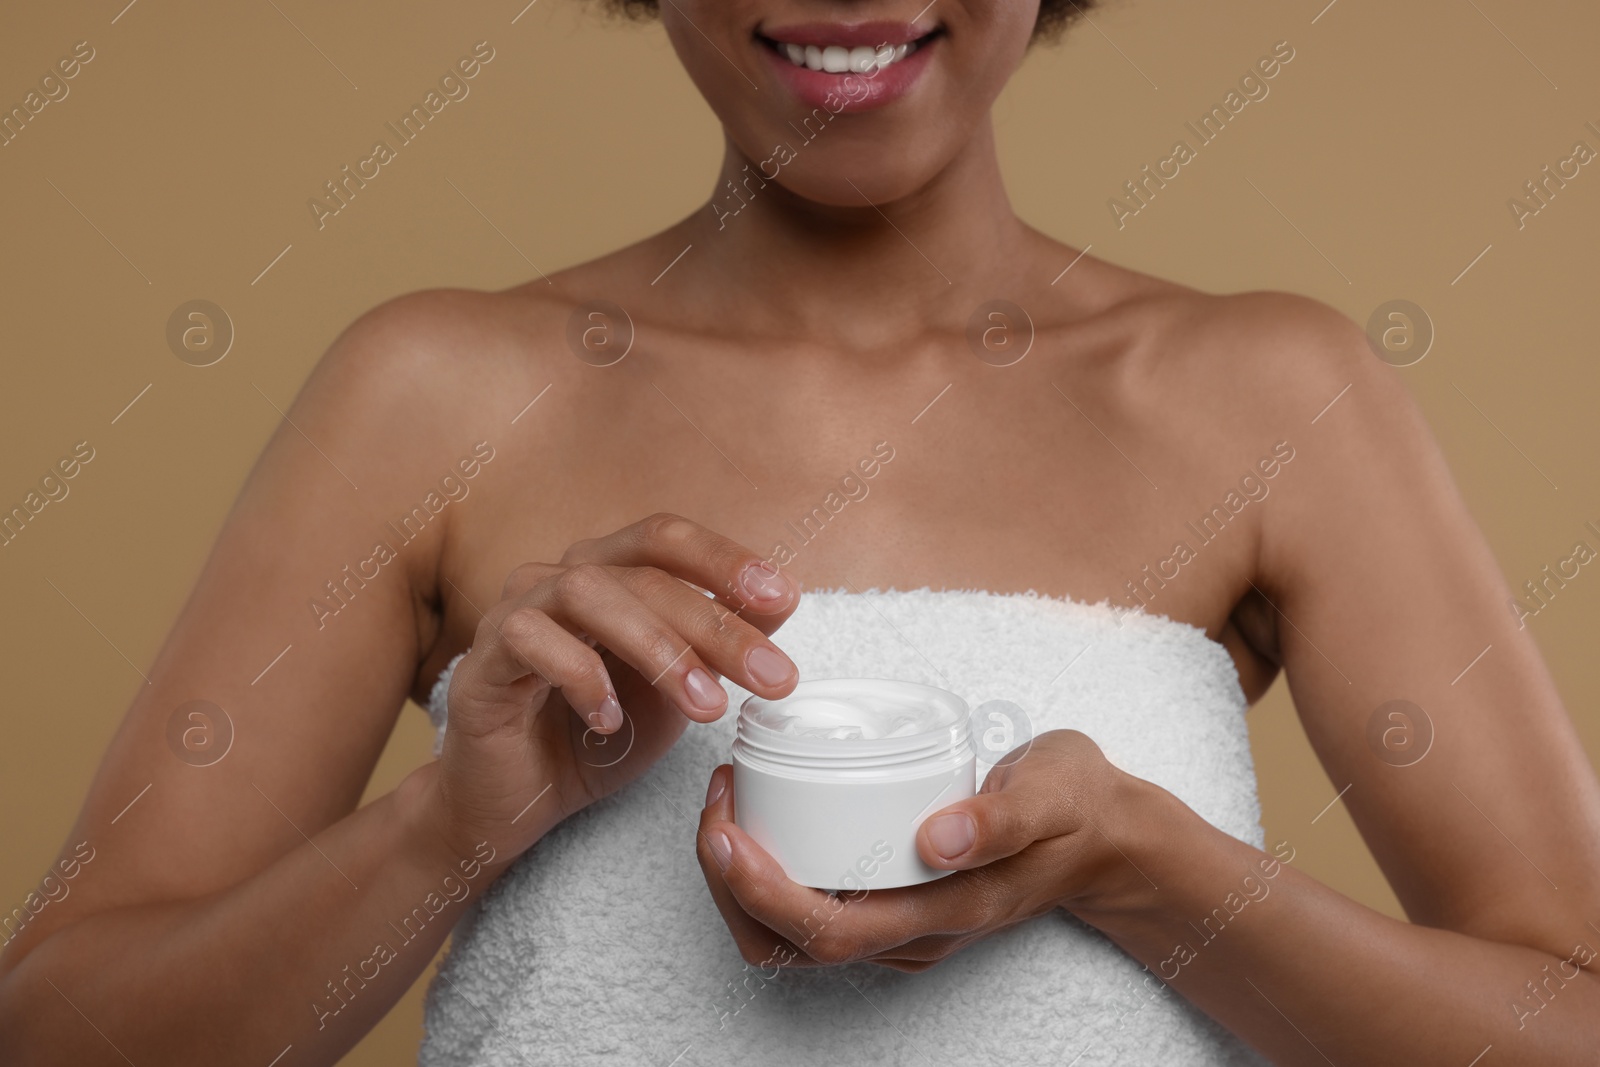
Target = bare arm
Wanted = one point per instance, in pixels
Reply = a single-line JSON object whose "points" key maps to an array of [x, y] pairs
{"points": [[205, 911], [1491, 839], [310, 952], [241, 905]]}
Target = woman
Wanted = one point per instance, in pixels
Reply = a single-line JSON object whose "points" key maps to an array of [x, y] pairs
{"points": [[855, 370]]}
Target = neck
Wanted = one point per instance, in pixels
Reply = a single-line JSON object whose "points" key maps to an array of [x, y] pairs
{"points": [[859, 274]]}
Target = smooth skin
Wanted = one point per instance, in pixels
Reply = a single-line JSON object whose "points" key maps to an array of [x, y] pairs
{"points": [[793, 338]]}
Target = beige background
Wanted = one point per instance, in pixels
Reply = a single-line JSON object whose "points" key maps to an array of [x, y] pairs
{"points": [[189, 146]]}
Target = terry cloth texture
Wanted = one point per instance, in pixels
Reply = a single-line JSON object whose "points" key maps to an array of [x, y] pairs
{"points": [[602, 945]]}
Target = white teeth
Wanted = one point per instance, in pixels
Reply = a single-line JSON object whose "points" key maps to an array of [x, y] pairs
{"points": [[837, 59], [863, 59]]}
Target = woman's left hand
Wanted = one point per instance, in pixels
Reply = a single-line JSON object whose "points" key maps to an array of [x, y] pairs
{"points": [[1034, 838]]}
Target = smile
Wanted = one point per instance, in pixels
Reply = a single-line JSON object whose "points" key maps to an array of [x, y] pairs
{"points": [[838, 49], [837, 59], [849, 66]]}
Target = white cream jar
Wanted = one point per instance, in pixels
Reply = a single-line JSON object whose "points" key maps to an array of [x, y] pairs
{"points": [[834, 779]]}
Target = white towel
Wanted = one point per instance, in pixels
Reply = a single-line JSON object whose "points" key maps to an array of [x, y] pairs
{"points": [[602, 945]]}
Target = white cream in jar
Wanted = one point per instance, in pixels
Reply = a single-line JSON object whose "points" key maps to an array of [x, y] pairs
{"points": [[834, 779]]}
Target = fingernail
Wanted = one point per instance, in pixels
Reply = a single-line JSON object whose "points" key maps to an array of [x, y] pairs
{"points": [[609, 713], [951, 835], [721, 849], [714, 791], [704, 692], [764, 582], [768, 666]]}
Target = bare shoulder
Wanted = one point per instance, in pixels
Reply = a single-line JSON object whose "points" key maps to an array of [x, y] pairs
{"points": [[1240, 369], [442, 352], [1294, 366], [1275, 348], [1227, 379], [1272, 347], [421, 377], [1207, 385]]}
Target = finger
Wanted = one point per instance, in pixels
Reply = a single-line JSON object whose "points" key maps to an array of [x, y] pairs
{"points": [[588, 597], [683, 548], [757, 942], [906, 966], [921, 953], [517, 654], [833, 929], [730, 645], [912, 926], [524, 577], [1031, 802]]}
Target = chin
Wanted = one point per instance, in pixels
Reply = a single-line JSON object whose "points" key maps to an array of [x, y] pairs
{"points": [[856, 187], [848, 172]]}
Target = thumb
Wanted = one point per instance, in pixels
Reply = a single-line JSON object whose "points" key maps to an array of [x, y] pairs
{"points": [[996, 824]]}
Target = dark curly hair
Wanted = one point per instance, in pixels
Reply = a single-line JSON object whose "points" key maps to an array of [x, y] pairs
{"points": [[1054, 15]]}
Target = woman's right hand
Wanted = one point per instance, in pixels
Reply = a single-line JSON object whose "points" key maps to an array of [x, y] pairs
{"points": [[589, 669]]}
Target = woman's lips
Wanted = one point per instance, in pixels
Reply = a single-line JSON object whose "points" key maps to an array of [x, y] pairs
{"points": [[848, 34], [864, 65]]}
